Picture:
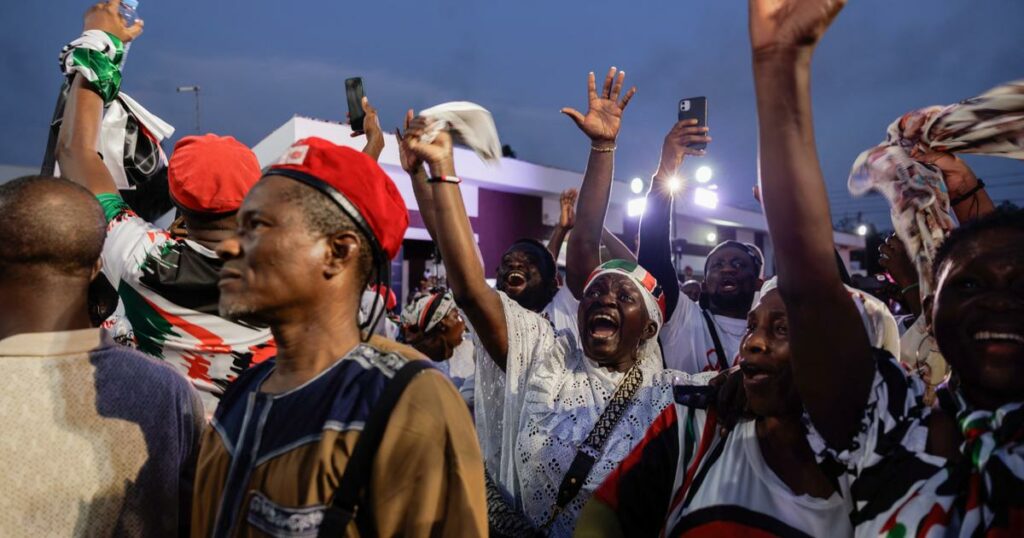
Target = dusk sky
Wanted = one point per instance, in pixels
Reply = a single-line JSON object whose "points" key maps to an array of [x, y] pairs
{"points": [[259, 63]]}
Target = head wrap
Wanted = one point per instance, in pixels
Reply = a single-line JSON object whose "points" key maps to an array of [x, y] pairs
{"points": [[353, 181], [880, 324], [210, 174], [654, 299], [751, 250], [547, 267], [990, 124], [423, 314]]}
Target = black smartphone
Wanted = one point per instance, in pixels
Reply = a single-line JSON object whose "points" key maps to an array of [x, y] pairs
{"points": [[354, 94], [695, 108]]}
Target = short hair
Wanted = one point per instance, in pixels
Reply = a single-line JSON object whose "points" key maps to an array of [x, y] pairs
{"points": [[50, 223], [325, 218], [1000, 218], [546, 261]]}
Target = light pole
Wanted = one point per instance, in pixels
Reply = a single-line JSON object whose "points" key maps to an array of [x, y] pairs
{"points": [[193, 90]]}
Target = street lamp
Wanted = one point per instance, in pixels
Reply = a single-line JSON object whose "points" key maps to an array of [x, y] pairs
{"points": [[705, 198], [862, 230], [637, 185], [635, 207], [712, 237], [703, 174], [193, 90]]}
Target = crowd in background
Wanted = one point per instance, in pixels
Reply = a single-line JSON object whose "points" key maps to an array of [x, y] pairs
{"points": [[247, 372]]}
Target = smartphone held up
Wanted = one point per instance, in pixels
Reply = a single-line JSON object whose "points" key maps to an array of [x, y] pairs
{"points": [[695, 108], [354, 95]]}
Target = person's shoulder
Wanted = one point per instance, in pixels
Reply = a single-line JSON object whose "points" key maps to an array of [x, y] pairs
{"points": [[138, 366], [385, 346]]}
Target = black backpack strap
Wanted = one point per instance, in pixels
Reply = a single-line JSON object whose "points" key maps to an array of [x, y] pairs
{"points": [[723, 361], [356, 478]]}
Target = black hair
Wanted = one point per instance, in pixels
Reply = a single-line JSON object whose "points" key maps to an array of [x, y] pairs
{"points": [[1000, 218], [755, 253], [50, 223]]}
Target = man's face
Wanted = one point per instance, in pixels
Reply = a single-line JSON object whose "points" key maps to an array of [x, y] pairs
{"points": [[274, 262], [731, 279], [520, 278], [613, 319], [764, 360], [440, 343], [978, 312]]}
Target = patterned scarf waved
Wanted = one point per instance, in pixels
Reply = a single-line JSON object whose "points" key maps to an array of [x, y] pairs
{"points": [[990, 124], [98, 57]]}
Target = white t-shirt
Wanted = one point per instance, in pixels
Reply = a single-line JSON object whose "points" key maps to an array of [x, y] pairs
{"points": [[740, 493], [561, 311], [686, 341], [461, 370], [532, 417]]}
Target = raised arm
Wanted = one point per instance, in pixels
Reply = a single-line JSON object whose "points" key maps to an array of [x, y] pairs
{"points": [[616, 248], [454, 236], [968, 197], [601, 125], [80, 129], [566, 221], [655, 250], [413, 166], [371, 128], [832, 364]]}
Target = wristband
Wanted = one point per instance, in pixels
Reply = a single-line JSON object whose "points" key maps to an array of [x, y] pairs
{"points": [[602, 149], [967, 195], [444, 179], [910, 287]]}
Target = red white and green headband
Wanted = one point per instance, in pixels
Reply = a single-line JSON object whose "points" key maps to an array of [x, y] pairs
{"points": [[423, 314], [654, 299]]}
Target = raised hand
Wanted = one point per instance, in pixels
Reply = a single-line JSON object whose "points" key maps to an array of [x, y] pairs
{"points": [[958, 176], [411, 162], [371, 128], [567, 219], [790, 24], [437, 153], [604, 112], [106, 17], [894, 259], [677, 146]]}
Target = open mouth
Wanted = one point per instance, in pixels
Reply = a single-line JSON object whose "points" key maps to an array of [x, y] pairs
{"points": [[998, 337], [602, 326], [515, 279], [728, 285], [755, 373]]}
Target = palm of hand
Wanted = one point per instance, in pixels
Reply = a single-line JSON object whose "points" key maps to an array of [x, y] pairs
{"points": [[602, 120], [775, 23]]}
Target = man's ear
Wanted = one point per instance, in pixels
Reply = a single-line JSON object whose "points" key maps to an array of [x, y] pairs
{"points": [[926, 311], [342, 252], [96, 269]]}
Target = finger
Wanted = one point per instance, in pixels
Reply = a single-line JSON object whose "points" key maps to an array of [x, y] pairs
{"points": [[628, 97], [365, 103], [617, 86], [574, 114], [607, 88], [694, 152], [113, 6], [356, 133], [591, 87]]}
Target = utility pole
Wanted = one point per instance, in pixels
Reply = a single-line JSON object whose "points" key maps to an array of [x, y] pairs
{"points": [[195, 91]]}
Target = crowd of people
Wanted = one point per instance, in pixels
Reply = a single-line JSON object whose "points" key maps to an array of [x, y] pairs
{"points": [[256, 379]]}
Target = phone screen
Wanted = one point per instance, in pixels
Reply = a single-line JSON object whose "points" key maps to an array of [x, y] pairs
{"points": [[695, 108], [354, 95]]}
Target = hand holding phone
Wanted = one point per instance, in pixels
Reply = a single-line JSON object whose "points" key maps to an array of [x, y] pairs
{"points": [[354, 95], [695, 108]]}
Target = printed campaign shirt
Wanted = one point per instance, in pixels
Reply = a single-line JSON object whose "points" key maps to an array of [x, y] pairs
{"points": [[168, 290], [685, 479]]}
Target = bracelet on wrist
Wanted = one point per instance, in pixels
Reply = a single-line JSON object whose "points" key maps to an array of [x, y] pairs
{"points": [[910, 287], [444, 179], [967, 195], [602, 148]]}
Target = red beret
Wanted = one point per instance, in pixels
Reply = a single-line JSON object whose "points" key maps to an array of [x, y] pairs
{"points": [[355, 182], [210, 174]]}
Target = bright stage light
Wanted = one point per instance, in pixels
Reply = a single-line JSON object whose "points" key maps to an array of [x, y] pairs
{"points": [[705, 198], [712, 237], [862, 230], [637, 185], [704, 174], [674, 184], [636, 206]]}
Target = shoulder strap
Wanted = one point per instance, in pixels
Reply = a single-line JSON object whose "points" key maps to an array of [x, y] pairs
{"points": [[590, 450], [356, 478], [723, 361]]}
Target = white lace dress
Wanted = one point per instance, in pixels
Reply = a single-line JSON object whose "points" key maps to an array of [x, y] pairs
{"points": [[533, 416]]}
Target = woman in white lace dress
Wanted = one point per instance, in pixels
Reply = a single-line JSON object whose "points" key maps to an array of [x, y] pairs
{"points": [[542, 399]]}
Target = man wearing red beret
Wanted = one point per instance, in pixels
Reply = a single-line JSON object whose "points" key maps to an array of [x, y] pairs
{"points": [[335, 435], [167, 283]]}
